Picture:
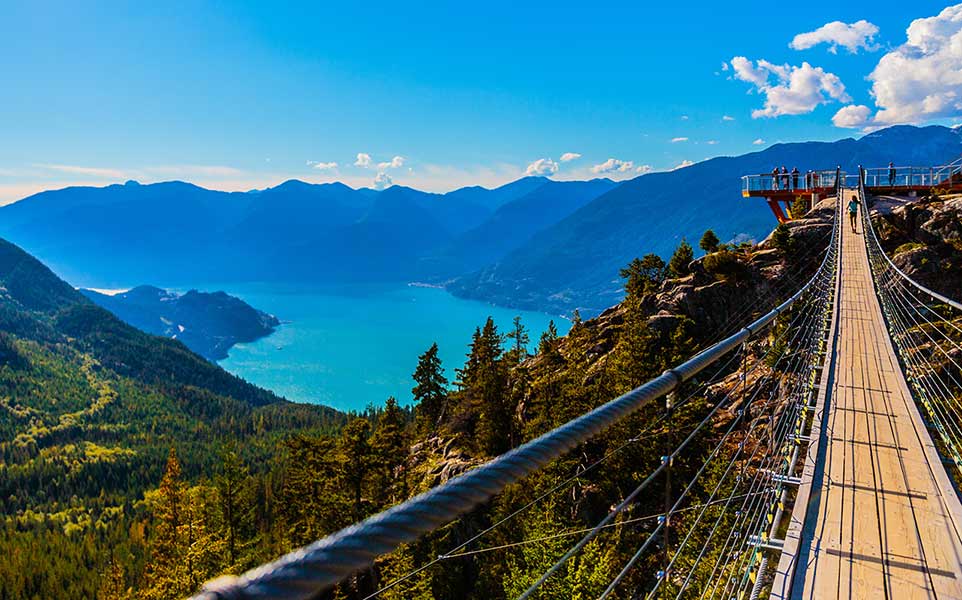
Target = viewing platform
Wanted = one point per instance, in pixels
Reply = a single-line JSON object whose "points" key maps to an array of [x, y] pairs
{"points": [[782, 190]]}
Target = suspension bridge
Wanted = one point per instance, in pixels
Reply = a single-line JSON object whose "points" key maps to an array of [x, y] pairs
{"points": [[831, 440]]}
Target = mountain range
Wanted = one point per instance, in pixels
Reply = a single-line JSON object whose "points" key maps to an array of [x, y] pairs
{"points": [[534, 243]]}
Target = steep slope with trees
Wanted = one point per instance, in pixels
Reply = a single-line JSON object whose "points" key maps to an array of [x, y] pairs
{"points": [[89, 409]]}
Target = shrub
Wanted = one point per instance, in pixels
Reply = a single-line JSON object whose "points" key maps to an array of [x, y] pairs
{"points": [[908, 247], [783, 241], [725, 265]]}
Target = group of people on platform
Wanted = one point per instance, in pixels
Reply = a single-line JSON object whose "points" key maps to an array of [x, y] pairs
{"points": [[788, 180]]}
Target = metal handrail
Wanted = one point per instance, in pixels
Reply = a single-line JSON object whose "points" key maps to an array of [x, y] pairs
{"points": [[316, 567], [884, 177], [808, 181], [917, 285], [953, 168], [909, 176]]}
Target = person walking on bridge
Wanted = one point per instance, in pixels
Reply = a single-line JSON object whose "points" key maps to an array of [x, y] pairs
{"points": [[853, 212]]}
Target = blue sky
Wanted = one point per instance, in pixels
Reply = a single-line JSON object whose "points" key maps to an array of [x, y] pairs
{"points": [[235, 95]]}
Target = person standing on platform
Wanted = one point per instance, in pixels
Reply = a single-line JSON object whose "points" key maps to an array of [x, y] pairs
{"points": [[794, 178], [891, 174], [775, 178], [784, 178]]}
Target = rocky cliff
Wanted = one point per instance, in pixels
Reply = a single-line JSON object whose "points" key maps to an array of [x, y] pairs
{"points": [[923, 238]]}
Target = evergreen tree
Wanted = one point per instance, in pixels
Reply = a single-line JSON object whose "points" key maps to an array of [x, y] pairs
{"points": [[680, 263], [653, 268], [594, 568], [800, 207], [313, 503], [484, 381], [390, 447], [430, 390], [166, 576], [637, 355], [682, 342], [399, 564], [206, 551], [470, 367], [231, 484], [643, 275], [112, 583], [358, 459], [527, 563], [519, 336], [709, 242], [576, 322], [783, 241], [634, 279], [548, 338]]}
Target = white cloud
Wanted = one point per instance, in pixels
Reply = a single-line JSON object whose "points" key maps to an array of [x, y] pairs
{"points": [[98, 172], [613, 165], [643, 169], [851, 36], [684, 117], [382, 181], [711, 142], [395, 163], [569, 156], [745, 71], [853, 115], [322, 166], [542, 168], [724, 66], [363, 160], [921, 80], [759, 142], [682, 165], [795, 91], [678, 139], [728, 118]]}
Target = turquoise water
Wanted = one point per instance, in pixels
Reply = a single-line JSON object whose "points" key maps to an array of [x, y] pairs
{"points": [[351, 346]]}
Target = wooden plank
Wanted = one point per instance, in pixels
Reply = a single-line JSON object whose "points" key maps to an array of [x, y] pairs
{"points": [[886, 523]]}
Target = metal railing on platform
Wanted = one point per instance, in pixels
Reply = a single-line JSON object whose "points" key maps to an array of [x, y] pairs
{"points": [[905, 177], [810, 181], [909, 177]]}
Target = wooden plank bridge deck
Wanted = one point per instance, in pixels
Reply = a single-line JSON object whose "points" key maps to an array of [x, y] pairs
{"points": [[880, 518]]}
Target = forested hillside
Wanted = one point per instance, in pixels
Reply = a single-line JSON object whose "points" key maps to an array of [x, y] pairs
{"points": [[89, 410]]}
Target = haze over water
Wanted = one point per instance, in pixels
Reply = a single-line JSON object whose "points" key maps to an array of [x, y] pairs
{"points": [[351, 346]]}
